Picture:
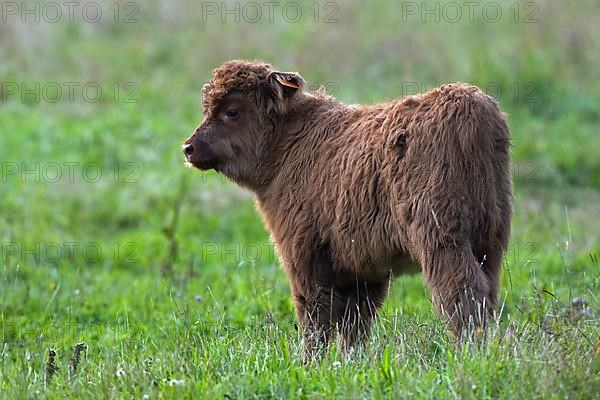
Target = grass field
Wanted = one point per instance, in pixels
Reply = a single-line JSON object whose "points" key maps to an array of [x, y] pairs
{"points": [[127, 275]]}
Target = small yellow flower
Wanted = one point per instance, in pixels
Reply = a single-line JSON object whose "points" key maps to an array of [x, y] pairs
{"points": [[52, 286]]}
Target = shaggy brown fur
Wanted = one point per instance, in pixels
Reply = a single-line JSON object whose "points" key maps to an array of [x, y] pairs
{"points": [[354, 194]]}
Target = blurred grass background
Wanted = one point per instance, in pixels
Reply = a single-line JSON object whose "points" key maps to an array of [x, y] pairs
{"points": [[187, 284]]}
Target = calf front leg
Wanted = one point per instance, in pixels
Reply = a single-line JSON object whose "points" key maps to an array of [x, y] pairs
{"points": [[312, 278], [357, 307], [327, 302], [330, 307], [315, 322]]}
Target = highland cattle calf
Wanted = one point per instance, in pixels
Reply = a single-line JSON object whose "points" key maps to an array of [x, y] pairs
{"points": [[356, 194]]}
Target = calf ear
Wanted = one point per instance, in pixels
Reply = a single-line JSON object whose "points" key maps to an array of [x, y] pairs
{"points": [[289, 82], [280, 88]]}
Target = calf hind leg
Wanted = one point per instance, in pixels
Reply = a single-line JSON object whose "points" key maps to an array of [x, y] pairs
{"points": [[491, 264], [459, 287]]}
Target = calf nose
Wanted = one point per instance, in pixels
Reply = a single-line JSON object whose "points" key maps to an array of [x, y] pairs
{"points": [[188, 149]]}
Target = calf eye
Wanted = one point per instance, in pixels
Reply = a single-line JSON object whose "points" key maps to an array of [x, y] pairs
{"points": [[232, 114]]}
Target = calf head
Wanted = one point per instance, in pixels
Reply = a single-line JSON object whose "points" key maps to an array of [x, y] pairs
{"points": [[244, 106]]}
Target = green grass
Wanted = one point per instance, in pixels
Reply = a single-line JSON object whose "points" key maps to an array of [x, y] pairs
{"points": [[187, 298]]}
